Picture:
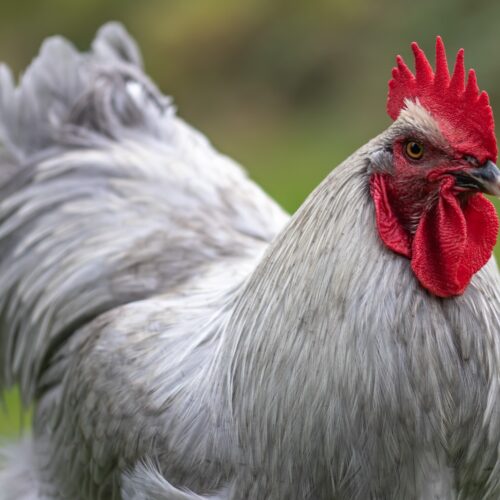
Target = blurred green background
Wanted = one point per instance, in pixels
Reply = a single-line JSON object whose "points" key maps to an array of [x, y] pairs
{"points": [[288, 88]]}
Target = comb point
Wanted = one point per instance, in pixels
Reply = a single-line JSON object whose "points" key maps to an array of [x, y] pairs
{"points": [[423, 69], [458, 79], [472, 90], [442, 77], [405, 72]]}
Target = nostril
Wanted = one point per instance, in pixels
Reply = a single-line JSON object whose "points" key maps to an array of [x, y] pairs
{"points": [[472, 160]]}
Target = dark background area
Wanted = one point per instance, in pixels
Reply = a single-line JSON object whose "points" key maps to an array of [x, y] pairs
{"points": [[287, 88]]}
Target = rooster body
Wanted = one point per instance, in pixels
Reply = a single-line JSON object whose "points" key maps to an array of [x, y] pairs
{"points": [[183, 338]]}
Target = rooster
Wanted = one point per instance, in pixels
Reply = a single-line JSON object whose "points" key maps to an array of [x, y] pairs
{"points": [[181, 337]]}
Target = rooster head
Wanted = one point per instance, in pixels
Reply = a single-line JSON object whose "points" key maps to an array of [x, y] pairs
{"points": [[438, 158]]}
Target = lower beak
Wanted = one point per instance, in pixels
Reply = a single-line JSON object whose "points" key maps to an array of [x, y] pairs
{"points": [[485, 178]]}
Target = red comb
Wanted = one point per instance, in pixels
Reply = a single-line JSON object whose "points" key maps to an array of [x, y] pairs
{"points": [[463, 112]]}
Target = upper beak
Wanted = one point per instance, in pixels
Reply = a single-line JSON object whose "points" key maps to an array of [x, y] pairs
{"points": [[485, 178]]}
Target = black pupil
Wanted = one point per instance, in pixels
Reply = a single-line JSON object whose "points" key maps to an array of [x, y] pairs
{"points": [[415, 148]]}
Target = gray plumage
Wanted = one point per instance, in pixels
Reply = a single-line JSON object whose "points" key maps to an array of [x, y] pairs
{"points": [[182, 338]]}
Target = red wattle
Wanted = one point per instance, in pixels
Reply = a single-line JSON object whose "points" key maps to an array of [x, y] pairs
{"points": [[451, 243], [390, 230]]}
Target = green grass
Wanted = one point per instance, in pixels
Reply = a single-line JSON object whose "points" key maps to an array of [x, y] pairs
{"points": [[12, 418]]}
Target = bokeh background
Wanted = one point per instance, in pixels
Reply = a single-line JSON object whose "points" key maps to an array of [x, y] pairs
{"points": [[288, 88]]}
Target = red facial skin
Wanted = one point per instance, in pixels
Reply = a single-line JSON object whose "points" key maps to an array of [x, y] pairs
{"points": [[415, 184], [446, 232]]}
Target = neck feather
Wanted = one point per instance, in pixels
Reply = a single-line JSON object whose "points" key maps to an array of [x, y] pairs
{"points": [[328, 319]]}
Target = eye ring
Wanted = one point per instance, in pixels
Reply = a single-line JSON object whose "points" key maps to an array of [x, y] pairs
{"points": [[414, 150]]}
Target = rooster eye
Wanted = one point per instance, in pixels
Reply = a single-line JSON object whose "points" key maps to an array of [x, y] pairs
{"points": [[414, 150]]}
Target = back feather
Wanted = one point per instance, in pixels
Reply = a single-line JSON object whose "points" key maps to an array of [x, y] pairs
{"points": [[146, 482], [106, 197]]}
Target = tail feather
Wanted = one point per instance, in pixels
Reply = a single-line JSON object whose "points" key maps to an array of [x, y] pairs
{"points": [[31, 112], [58, 101], [65, 99], [113, 42]]}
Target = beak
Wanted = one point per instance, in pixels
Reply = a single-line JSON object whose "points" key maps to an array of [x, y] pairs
{"points": [[485, 178]]}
